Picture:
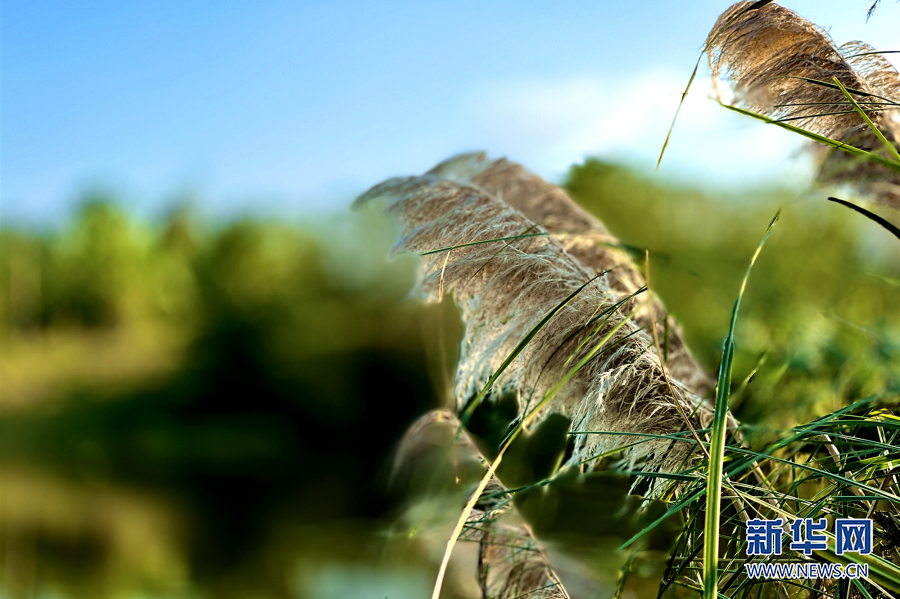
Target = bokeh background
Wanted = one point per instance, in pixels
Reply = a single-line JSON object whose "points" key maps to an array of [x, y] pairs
{"points": [[207, 361]]}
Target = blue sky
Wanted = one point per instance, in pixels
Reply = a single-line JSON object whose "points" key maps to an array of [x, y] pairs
{"points": [[296, 107]]}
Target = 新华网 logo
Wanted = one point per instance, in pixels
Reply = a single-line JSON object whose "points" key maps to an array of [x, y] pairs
{"points": [[765, 537]]}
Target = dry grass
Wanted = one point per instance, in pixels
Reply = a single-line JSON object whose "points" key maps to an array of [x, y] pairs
{"points": [[504, 289], [510, 248], [780, 65]]}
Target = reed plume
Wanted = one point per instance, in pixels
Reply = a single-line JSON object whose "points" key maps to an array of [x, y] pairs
{"points": [[505, 288], [510, 248], [510, 559], [782, 66]]}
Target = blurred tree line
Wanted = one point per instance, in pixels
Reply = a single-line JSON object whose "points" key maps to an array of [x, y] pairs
{"points": [[190, 406], [246, 372]]}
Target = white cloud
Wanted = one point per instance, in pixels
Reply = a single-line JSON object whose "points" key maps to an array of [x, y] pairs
{"points": [[550, 124]]}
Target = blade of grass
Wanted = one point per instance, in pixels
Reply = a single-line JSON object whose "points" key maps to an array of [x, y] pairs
{"points": [[505, 246], [756, 5], [470, 505], [831, 476], [471, 243], [467, 412], [849, 89], [875, 52], [816, 115], [683, 501], [888, 145], [834, 103], [693, 494], [605, 315], [717, 442], [894, 164], [677, 110], [523, 423], [884, 223]]}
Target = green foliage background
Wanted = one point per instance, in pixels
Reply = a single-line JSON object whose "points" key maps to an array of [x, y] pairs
{"points": [[209, 410]]}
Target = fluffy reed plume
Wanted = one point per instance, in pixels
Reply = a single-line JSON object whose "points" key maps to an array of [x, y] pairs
{"points": [[510, 560], [781, 65], [504, 289], [585, 239], [551, 250]]}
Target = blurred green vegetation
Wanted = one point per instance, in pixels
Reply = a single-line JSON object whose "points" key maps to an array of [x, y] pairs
{"points": [[229, 384], [820, 321], [195, 410]]}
